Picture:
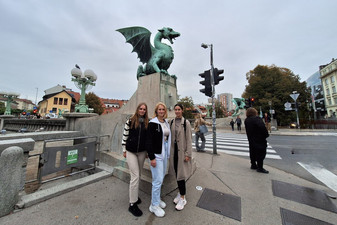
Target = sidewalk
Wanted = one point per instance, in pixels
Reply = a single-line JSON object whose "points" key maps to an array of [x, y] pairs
{"points": [[106, 201]]}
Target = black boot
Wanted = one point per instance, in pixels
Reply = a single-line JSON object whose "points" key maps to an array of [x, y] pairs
{"points": [[138, 201], [133, 208]]}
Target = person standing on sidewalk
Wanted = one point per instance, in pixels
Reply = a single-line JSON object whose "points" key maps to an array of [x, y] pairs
{"points": [[267, 121], [158, 149], [257, 137], [181, 153], [134, 150], [238, 122], [197, 123]]}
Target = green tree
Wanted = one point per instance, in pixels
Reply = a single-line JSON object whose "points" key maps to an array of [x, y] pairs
{"points": [[93, 101], [188, 104], [275, 84]]}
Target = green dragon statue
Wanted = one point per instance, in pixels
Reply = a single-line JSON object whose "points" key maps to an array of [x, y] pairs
{"points": [[158, 58], [240, 104]]}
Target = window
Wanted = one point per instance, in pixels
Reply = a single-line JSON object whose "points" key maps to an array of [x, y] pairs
{"points": [[328, 91], [55, 101], [333, 90], [60, 101], [332, 79], [330, 102], [326, 81], [65, 101], [54, 110], [335, 99]]}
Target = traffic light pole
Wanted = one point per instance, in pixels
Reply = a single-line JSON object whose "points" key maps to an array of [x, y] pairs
{"points": [[213, 103]]}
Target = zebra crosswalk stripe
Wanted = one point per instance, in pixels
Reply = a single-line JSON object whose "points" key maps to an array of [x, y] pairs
{"points": [[235, 146]]}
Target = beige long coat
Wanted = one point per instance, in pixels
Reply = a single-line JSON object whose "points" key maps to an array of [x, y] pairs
{"points": [[184, 143]]}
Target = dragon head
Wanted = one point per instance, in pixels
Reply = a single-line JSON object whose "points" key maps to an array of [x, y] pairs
{"points": [[169, 34]]}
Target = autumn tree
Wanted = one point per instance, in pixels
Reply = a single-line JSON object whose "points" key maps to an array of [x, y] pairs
{"points": [[93, 101], [275, 84], [188, 105]]}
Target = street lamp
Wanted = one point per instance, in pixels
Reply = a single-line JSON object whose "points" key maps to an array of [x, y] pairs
{"points": [[83, 81], [10, 97], [203, 45]]}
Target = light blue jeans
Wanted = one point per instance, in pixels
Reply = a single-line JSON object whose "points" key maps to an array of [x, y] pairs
{"points": [[158, 174]]}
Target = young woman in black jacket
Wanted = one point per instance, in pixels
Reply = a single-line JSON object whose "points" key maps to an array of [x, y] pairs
{"points": [[134, 149]]}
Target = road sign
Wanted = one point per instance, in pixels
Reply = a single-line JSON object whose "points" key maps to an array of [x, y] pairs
{"points": [[294, 96]]}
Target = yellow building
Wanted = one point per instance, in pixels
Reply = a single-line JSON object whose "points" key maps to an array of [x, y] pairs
{"points": [[329, 77], [56, 102]]}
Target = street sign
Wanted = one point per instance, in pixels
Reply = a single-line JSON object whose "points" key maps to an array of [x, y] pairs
{"points": [[287, 106], [294, 96]]}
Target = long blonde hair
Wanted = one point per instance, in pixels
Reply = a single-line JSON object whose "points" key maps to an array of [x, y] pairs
{"points": [[135, 118], [156, 108]]}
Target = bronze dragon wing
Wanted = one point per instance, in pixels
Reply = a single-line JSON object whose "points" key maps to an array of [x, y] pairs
{"points": [[139, 38]]}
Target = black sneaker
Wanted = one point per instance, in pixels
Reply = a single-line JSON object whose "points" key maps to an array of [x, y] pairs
{"points": [[135, 210], [138, 201], [262, 170]]}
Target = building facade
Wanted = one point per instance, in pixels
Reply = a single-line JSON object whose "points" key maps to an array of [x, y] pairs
{"points": [[56, 103], [317, 95], [226, 100], [329, 76]]}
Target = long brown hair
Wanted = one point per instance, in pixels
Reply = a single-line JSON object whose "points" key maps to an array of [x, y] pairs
{"points": [[135, 118]]}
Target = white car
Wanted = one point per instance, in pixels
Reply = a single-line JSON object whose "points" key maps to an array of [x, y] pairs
{"points": [[51, 116]]}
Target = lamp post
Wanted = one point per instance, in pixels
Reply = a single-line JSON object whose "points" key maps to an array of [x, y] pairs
{"points": [[83, 81], [213, 94], [10, 97]]}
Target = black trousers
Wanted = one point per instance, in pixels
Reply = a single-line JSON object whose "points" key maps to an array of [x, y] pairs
{"points": [[257, 157], [181, 183]]}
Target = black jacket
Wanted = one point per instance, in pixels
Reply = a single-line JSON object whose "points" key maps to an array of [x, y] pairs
{"points": [[136, 141], [154, 140], [256, 133]]}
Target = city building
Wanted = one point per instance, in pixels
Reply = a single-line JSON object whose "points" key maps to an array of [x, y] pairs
{"points": [[328, 76], [317, 95], [226, 100], [24, 104], [112, 105], [56, 103]]}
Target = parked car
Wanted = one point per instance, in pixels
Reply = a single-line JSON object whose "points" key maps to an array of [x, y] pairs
{"points": [[51, 116]]}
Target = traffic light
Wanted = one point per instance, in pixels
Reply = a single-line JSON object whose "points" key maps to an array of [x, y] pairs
{"points": [[247, 103], [252, 100], [207, 83], [217, 77]]}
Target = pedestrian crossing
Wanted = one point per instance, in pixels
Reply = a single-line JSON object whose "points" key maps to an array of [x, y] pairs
{"points": [[234, 145]]}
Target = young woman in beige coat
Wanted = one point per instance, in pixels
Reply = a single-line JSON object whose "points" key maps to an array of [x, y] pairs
{"points": [[181, 154]]}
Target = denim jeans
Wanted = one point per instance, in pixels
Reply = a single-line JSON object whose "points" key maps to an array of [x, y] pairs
{"points": [[203, 141], [158, 174]]}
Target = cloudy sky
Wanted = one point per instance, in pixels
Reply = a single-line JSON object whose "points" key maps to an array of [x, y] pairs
{"points": [[42, 40]]}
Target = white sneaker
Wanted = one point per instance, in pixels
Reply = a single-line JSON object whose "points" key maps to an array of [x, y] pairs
{"points": [[159, 212], [176, 199], [162, 204], [181, 203]]}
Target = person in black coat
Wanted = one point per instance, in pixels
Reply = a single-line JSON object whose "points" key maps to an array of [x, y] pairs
{"points": [[134, 150], [257, 137]]}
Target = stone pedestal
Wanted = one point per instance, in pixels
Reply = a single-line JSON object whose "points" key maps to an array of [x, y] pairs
{"points": [[152, 89], [73, 117]]}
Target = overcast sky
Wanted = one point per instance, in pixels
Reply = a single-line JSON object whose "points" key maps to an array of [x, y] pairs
{"points": [[42, 40]]}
